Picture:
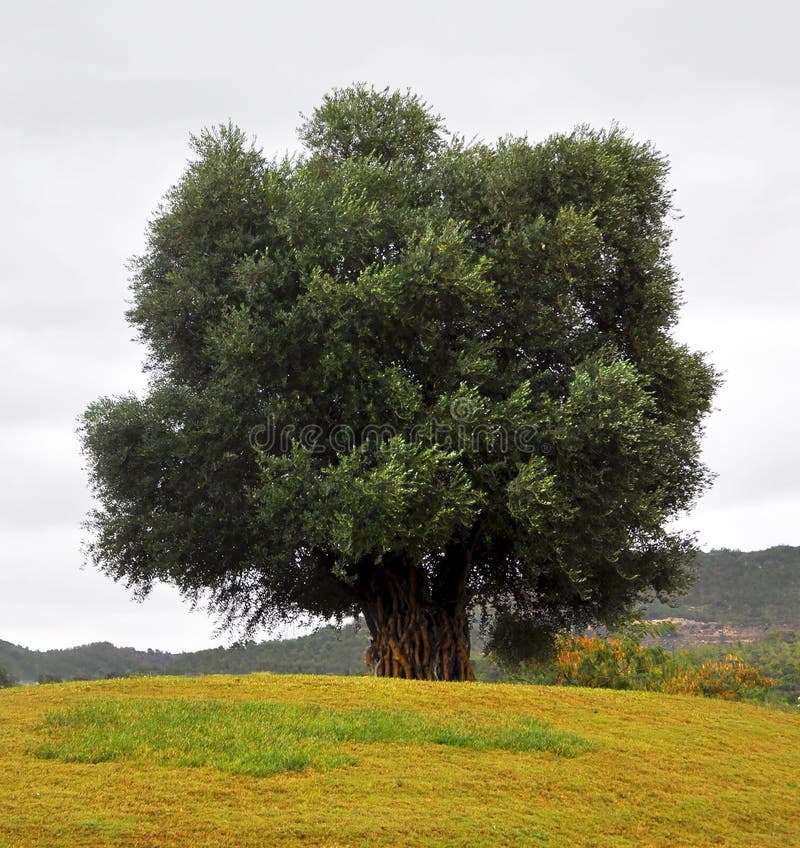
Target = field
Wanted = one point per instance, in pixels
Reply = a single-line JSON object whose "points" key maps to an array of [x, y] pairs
{"points": [[268, 760]]}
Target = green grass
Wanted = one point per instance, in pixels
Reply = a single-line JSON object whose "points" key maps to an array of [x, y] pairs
{"points": [[264, 738]]}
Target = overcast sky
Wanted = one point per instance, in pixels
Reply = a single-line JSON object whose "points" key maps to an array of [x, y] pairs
{"points": [[97, 100]]}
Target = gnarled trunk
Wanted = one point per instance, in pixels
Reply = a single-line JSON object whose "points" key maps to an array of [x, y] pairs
{"points": [[413, 635]]}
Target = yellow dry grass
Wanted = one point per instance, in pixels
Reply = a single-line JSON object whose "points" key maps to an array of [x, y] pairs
{"points": [[663, 771]]}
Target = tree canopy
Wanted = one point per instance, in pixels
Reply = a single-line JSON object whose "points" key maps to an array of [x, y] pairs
{"points": [[405, 376]]}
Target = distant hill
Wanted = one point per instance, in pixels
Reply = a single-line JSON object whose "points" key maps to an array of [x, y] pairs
{"points": [[86, 662], [328, 651], [759, 589]]}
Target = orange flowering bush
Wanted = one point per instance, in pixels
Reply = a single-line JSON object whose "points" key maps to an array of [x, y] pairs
{"points": [[608, 663], [729, 679], [625, 664]]}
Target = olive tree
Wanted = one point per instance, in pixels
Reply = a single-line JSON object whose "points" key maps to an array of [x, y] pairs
{"points": [[403, 376]]}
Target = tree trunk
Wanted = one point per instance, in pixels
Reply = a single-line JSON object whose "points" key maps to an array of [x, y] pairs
{"points": [[413, 636]]}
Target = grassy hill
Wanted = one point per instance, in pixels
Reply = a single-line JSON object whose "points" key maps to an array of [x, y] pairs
{"points": [[268, 760]]}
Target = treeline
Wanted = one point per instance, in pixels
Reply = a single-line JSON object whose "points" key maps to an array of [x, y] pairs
{"points": [[85, 662], [328, 651]]}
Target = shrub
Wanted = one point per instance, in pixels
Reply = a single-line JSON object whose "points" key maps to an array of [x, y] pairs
{"points": [[625, 664], [730, 679], [609, 663]]}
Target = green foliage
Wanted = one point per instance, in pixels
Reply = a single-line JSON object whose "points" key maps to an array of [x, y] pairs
{"points": [[6, 679], [396, 496], [399, 348], [263, 738], [387, 126], [513, 642]]}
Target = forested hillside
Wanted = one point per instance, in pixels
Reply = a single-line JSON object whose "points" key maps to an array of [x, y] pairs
{"points": [[327, 651], [98, 660], [737, 588]]}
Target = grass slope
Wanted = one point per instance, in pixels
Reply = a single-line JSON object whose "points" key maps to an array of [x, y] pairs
{"points": [[170, 762]]}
